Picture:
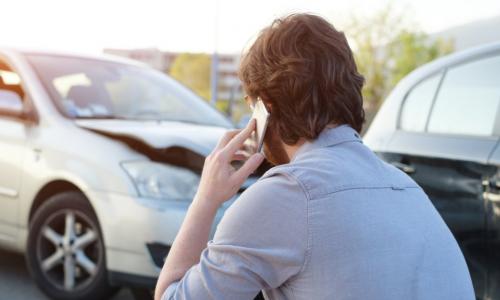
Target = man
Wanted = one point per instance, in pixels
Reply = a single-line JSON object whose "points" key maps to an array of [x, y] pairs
{"points": [[330, 220]]}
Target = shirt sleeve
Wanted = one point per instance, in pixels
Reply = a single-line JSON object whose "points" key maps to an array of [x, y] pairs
{"points": [[260, 243]]}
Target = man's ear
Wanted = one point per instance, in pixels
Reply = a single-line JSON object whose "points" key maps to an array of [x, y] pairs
{"points": [[269, 106]]}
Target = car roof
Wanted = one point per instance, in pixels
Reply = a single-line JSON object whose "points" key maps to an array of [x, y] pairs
{"points": [[454, 59], [102, 57]]}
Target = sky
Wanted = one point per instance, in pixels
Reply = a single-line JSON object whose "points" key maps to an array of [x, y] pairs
{"points": [[195, 25]]}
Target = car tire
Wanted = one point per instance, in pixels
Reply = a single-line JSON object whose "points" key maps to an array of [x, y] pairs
{"points": [[65, 254]]}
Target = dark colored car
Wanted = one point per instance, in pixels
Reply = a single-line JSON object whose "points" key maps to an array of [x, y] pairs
{"points": [[441, 125]]}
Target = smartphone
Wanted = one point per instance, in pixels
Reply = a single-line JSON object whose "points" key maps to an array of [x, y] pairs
{"points": [[255, 142]]}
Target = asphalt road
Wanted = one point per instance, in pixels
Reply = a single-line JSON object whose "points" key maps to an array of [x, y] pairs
{"points": [[15, 283]]}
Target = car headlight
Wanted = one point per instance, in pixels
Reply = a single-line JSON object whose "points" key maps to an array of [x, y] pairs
{"points": [[162, 181]]}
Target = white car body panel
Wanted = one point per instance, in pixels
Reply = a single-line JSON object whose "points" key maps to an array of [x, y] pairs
{"points": [[60, 149]]}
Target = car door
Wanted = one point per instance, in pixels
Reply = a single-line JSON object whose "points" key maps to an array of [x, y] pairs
{"points": [[491, 195], [12, 151], [447, 131]]}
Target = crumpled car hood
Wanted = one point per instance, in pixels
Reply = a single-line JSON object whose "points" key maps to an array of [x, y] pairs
{"points": [[161, 134]]}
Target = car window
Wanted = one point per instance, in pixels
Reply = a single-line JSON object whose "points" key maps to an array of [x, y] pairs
{"points": [[468, 99], [418, 103], [91, 88]]}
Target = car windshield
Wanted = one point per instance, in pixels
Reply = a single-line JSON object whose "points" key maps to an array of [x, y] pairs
{"points": [[90, 88]]}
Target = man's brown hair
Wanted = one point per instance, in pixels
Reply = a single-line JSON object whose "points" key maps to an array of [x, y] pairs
{"points": [[304, 71]]}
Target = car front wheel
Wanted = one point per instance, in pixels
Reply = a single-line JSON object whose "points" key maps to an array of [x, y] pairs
{"points": [[65, 252]]}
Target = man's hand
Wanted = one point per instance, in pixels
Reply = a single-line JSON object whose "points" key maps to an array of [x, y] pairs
{"points": [[220, 180]]}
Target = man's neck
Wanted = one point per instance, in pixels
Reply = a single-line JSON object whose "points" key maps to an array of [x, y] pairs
{"points": [[292, 149]]}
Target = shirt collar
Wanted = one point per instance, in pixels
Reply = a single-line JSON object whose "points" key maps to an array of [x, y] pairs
{"points": [[330, 137]]}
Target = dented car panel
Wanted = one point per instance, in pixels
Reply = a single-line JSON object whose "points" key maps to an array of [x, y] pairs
{"points": [[160, 134], [175, 143]]}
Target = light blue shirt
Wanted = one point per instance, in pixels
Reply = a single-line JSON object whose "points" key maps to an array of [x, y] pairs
{"points": [[334, 223]]}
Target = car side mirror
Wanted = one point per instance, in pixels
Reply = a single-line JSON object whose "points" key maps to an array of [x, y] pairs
{"points": [[11, 104]]}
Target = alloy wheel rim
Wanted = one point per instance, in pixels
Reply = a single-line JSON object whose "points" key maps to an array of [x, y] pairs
{"points": [[69, 250]]}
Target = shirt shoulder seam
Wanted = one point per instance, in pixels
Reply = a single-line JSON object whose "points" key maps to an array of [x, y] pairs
{"points": [[309, 242]]}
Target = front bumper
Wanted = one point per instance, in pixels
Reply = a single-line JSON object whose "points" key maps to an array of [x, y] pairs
{"points": [[138, 232]]}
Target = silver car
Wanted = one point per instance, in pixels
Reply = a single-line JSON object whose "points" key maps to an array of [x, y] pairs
{"points": [[99, 160]]}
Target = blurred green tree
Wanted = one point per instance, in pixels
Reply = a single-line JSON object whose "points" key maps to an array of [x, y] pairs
{"points": [[386, 48], [193, 70], [413, 49]]}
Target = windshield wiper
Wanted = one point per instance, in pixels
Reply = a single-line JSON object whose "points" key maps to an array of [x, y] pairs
{"points": [[110, 117], [117, 117]]}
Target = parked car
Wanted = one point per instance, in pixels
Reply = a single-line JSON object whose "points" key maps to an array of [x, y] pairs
{"points": [[441, 125], [99, 160]]}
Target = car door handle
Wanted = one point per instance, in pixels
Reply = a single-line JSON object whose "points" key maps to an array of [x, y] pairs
{"points": [[8, 192], [492, 184], [408, 169], [492, 197]]}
